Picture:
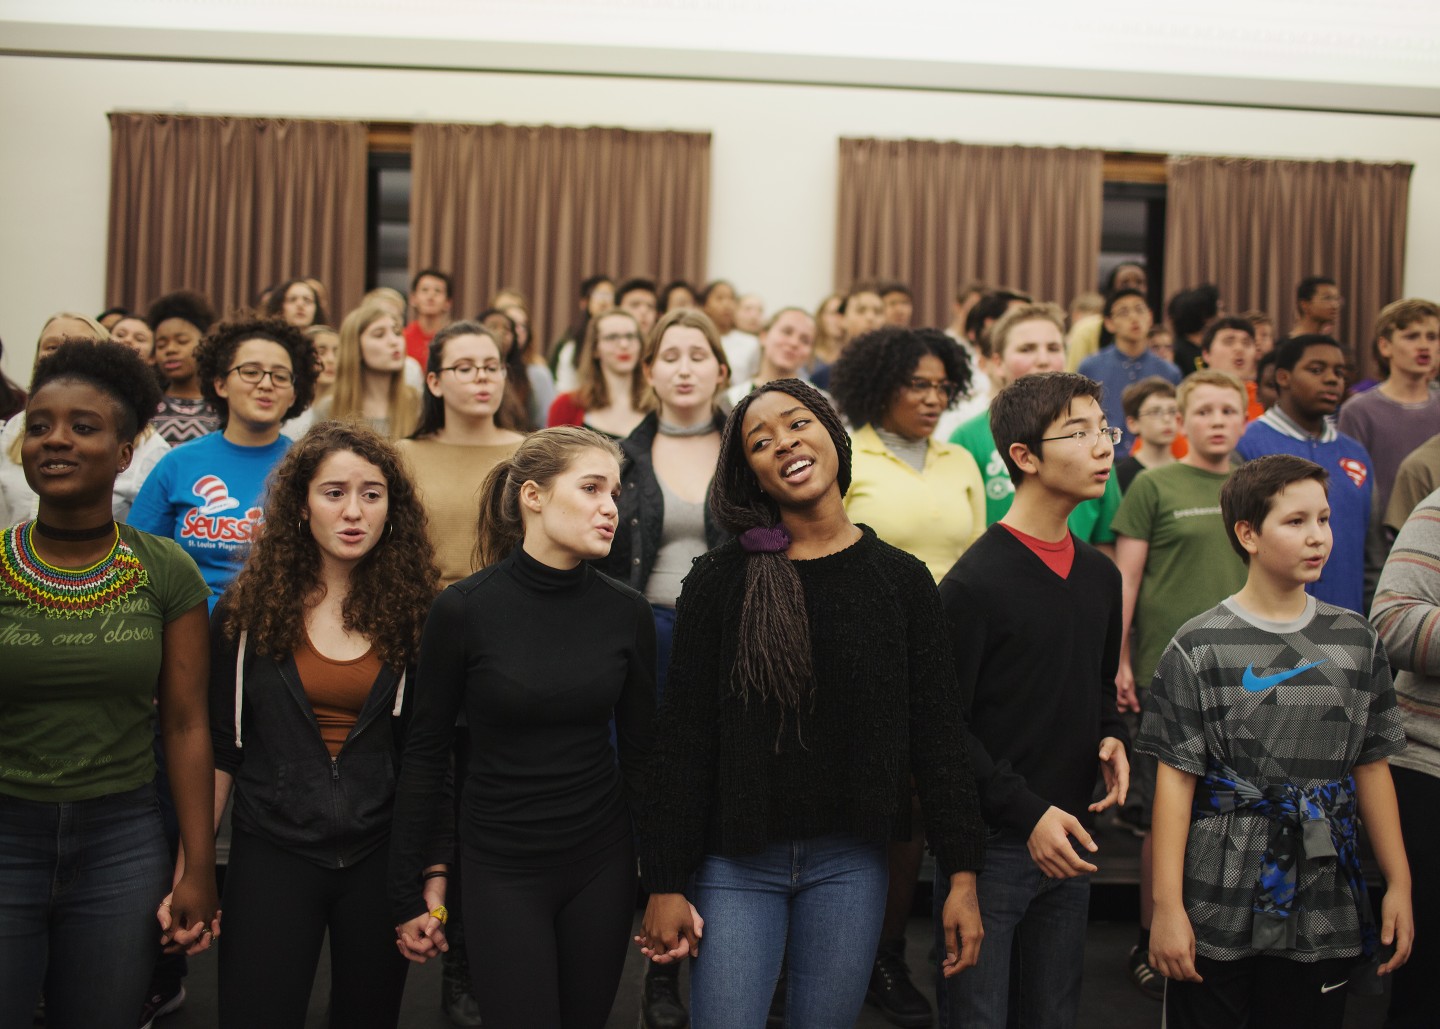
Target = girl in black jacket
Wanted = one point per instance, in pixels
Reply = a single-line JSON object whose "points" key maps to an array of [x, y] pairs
{"points": [[664, 521], [313, 646]]}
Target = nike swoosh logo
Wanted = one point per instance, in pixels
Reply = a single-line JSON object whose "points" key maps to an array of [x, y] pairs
{"points": [[1258, 683], [1328, 989]]}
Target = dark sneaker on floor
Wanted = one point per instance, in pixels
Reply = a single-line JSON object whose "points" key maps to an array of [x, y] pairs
{"points": [[1146, 979], [660, 1004], [1131, 820], [168, 999], [892, 991], [457, 999]]}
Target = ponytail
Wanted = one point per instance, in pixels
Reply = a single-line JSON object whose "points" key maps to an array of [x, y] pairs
{"points": [[499, 526], [540, 458]]}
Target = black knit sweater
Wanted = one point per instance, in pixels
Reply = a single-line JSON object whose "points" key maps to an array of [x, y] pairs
{"points": [[1036, 657], [885, 704]]}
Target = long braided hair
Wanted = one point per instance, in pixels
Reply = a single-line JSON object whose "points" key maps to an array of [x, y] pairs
{"points": [[772, 659]]}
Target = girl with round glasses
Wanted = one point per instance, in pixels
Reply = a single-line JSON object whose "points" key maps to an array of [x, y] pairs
{"points": [[611, 393], [208, 495], [927, 498]]}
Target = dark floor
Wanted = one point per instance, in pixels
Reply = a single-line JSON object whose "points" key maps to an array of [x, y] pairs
{"points": [[1108, 1001]]}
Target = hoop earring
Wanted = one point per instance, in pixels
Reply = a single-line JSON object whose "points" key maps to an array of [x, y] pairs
{"points": [[389, 531]]}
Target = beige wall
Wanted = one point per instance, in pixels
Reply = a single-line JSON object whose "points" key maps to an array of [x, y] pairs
{"points": [[773, 181]]}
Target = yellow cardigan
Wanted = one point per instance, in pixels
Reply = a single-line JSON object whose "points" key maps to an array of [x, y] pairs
{"points": [[934, 515]]}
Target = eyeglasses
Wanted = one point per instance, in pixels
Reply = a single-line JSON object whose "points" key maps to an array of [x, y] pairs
{"points": [[1163, 413], [254, 373], [920, 387], [1086, 437], [620, 337], [471, 372]]}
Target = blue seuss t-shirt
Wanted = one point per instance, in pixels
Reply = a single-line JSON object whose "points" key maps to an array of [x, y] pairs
{"points": [[1342, 583], [206, 495]]}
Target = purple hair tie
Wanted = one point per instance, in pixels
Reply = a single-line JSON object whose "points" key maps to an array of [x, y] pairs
{"points": [[765, 539]]}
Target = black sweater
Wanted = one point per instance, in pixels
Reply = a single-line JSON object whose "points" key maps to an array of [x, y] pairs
{"points": [[1036, 657], [885, 704], [541, 660]]}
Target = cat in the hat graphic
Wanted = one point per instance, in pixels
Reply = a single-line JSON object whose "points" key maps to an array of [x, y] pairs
{"points": [[215, 495]]}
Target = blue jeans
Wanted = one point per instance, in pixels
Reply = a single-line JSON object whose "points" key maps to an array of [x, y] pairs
{"points": [[816, 903], [79, 884], [1043, 920]]}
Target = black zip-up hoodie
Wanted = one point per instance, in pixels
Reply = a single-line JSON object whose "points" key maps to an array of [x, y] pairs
{"points": [[288, 790]]}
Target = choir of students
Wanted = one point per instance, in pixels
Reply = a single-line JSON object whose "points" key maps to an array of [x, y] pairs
{"points": [[714, 643]]}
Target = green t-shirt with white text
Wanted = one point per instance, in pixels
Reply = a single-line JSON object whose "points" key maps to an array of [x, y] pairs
{"points": [[1190, 566]]}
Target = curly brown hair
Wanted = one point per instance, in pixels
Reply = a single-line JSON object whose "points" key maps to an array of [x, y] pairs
{"points": [[213, 357], [391, 587]]}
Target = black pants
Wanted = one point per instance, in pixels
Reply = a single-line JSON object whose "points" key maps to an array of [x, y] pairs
{"points": [[1415, 997], [1260, 993], [547, 945], [277, 909]]}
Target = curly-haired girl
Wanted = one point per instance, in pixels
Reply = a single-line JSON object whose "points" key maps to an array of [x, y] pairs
{"points": [[207, 495], [311, 651]]}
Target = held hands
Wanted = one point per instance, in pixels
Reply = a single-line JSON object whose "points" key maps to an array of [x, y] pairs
{"points": [[423, 937], [962, 922], [1115, 767], [189, 917], [1172, 944], [671, 930], [1050, 846], [1397, 926]]}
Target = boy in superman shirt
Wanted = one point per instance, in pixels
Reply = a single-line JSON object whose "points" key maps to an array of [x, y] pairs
{"points": [[1272, 715]]}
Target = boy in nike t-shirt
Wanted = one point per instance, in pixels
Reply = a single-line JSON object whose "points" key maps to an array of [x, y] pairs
{"points": [[1272, 715]]}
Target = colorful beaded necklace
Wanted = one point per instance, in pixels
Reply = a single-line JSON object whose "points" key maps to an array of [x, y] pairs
{"points": [[58, 592]]}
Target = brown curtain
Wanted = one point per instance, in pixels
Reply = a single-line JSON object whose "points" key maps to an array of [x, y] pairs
{"points": [[936, 215], [228, 206], [540, 208], [1256, 228]]}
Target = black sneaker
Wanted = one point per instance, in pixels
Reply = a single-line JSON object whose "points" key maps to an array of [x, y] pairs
{"points": [[1146, 979], [660, 1003], [892, 991], [167, 999]]}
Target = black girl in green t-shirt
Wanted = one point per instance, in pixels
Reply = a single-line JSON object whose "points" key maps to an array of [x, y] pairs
{"points": [[95, 620]]}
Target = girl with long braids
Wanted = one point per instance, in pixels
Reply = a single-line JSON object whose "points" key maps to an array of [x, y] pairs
{"points": [[810, 675], [546, 824], [312, 648]]}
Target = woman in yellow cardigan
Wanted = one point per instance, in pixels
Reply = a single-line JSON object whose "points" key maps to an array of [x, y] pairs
{"points": [[926, 498]]}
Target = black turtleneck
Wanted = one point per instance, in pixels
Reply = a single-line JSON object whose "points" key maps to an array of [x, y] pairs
{"points": [[541, 658]]}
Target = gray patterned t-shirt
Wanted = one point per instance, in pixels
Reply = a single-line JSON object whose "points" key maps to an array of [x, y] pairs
{"points": [[1301, 702]]}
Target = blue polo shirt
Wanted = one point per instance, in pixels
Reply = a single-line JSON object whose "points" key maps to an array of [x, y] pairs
{"points": [[1115, 371], [1351, 487]]}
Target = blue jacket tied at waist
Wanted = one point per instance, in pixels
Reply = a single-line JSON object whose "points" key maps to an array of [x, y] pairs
{"points": [[1305, 825]]}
